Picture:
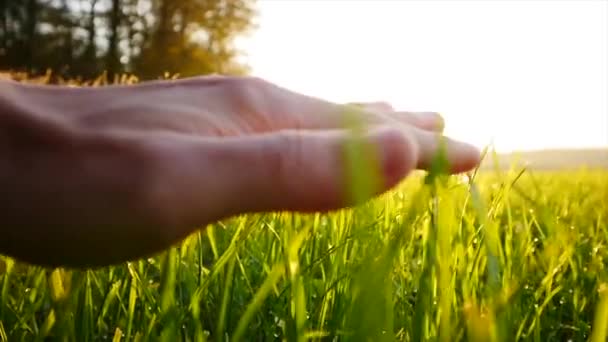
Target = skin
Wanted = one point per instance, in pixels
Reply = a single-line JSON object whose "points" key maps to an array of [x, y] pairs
{"points": [[97, 176]]}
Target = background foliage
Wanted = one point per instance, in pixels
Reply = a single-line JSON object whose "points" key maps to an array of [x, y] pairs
{"points": [[83, 38]]}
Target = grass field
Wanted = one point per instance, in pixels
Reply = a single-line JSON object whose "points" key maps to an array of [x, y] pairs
{"points": [[501, 255], [498, 257]]}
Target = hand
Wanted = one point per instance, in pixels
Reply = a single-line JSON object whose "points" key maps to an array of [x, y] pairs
{"points": [[141, 167]]}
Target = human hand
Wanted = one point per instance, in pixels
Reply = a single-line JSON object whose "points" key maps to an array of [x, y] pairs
{"points": [[157, 160]]}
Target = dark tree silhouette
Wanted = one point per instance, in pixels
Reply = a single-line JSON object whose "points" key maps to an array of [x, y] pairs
{"points": [[145, 37]]}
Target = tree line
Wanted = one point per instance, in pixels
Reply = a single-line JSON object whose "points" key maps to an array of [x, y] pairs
{"points": [[148, 38]]}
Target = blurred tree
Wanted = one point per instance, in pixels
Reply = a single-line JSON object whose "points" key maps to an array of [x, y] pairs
{"points": [[194, 37], [90, 51], [144, 37], [115, 21]]}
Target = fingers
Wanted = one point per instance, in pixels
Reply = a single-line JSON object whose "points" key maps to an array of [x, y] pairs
{"points": [[313, 113], [424, 125], [430, 121], [275, 108], [375, 106], [302, 171], [311, 170], [203, 180], [461, 156]]}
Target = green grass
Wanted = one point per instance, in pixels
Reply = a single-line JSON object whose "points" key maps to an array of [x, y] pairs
{"points": [[498, 257]]}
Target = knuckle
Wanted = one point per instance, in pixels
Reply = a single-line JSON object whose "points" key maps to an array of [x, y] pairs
{"points": [[396, 137], [258, 100], [256, 81], [278, 156], [284, 159], [243, 87], [402, 149], [385, 106], [246, 93]]}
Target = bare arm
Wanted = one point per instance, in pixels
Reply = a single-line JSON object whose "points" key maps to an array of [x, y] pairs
{"points": [[67, 193], [91, 177]]}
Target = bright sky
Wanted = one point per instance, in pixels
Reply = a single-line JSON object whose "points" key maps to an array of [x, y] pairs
{"points": [[523, 74]]}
